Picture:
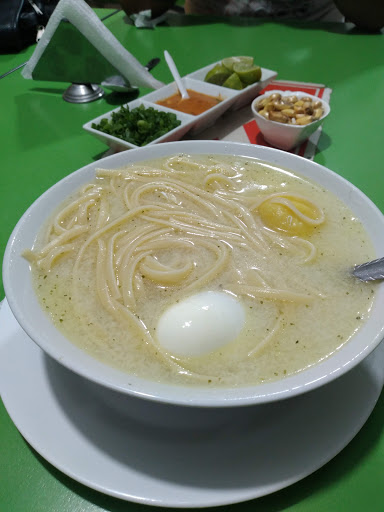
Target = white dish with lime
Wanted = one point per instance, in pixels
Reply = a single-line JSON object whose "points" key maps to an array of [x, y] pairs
{"points": [[241, 74], [235, 81]]}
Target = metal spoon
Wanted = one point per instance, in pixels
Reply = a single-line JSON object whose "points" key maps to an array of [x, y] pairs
{"points": [[370, 271], [176, 75], [117, 83]]}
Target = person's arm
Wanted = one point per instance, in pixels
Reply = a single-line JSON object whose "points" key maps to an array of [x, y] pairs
{"points": [[157, 6], [366, 14], [210, 7]]}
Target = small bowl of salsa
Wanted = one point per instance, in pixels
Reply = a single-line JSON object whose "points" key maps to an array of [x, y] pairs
{"points": [[206, 101], [196, 104]]}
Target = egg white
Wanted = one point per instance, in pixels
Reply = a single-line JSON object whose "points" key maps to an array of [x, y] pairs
{"points": [[200, 324]]}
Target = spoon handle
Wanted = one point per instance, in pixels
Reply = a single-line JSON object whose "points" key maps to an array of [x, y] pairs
{"points": [[175, 74], [370, 271]]}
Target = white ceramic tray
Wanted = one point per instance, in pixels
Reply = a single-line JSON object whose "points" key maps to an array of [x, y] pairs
{"points": [[231, 100]]}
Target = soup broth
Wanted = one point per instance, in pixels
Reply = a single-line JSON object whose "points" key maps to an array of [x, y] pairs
{"points": [[138, 240]]}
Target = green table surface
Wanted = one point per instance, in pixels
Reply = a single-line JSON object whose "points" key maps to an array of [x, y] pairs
{"points": [[42, 140]]}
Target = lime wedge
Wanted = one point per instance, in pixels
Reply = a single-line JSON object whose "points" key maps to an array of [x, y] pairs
{"points": [[217, 75], [229, 62], [233, 82], [247, 74]]}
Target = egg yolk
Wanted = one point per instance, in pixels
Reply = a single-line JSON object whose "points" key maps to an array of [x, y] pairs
{"points": [[294, 216]]}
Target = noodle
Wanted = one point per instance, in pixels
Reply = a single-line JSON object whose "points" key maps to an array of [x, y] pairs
{"points": [[156, 235]]}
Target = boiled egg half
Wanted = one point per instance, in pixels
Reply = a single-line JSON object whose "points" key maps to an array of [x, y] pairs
{"points": [[200, 324]]}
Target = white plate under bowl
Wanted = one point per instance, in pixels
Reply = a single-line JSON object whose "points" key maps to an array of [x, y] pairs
{"points": [[244, 96], [118, 144], [260, 451]]}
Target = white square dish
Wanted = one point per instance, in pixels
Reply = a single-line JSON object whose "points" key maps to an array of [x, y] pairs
{"points": [[118, 144], [245, 95]]}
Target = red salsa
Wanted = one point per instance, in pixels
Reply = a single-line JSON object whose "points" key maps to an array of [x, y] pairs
{"points": [[196, 104]]}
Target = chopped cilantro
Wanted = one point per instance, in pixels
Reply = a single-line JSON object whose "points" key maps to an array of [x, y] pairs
{"points": [[139, 126]]}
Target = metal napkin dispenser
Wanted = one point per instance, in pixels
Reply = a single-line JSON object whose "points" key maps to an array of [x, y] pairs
{"points": [[76, 47]]}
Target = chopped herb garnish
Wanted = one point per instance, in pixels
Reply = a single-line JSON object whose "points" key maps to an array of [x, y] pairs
{"points": [[139, 126]]}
